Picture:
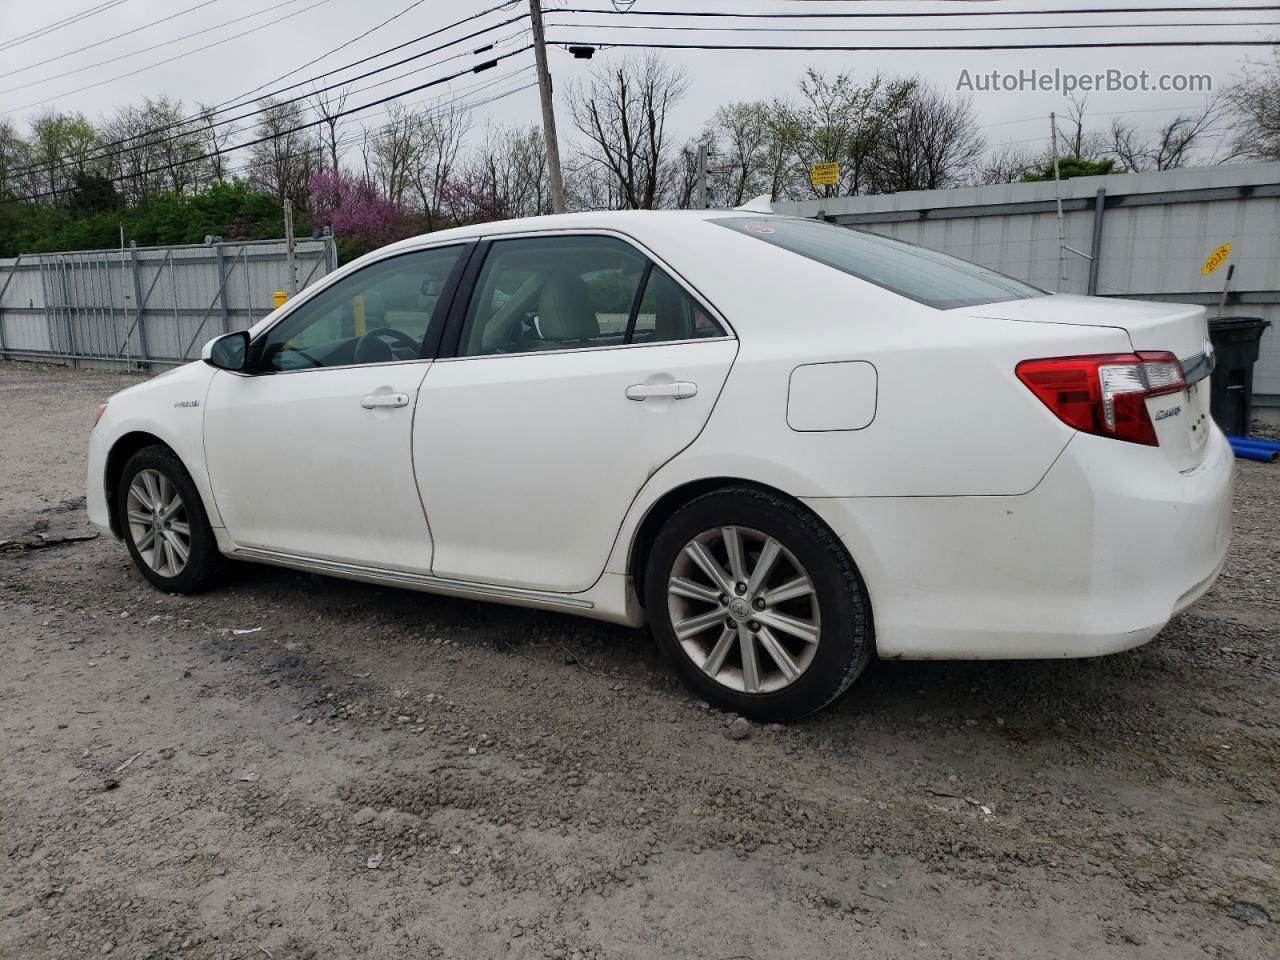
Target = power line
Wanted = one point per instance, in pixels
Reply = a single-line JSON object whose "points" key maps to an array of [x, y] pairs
{"points": [[1104, 113], [949, 29], [59, 24], [234, 102], [154, 46], [603, 45], [48, 167], [848, 14], [159, 63], [98, 43], [461, 105], [347, 43], [220, 151]]}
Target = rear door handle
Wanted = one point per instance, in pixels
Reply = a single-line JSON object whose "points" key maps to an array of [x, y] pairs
{"points": [[375, 400], [680, 390]]}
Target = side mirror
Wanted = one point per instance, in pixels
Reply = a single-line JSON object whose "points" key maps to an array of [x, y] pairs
{"points": [[228, 352]]}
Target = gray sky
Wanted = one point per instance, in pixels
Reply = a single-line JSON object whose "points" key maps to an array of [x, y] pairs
{"points": [[268, 50]]}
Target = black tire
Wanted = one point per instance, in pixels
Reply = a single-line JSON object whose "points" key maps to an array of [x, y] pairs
{"points": [[204, 564], [844, 625]]}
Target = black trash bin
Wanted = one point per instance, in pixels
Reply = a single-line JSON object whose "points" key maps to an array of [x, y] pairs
{"points": [[1235, 346]]}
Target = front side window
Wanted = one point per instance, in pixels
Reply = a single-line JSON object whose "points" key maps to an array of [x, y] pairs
{"points": [[379, 314], [564, 293], [917, 273]]}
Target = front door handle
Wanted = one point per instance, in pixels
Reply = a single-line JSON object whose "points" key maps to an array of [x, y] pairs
{"points": [[375, 400], [680, 390]]}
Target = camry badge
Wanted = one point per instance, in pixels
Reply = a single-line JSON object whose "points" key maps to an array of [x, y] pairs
{"points": [[187, 403]]}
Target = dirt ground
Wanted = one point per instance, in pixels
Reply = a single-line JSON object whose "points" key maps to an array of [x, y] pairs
{"points": [[298, 767]]}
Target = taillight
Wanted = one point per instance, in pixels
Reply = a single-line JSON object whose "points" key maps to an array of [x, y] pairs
{"points": [[1105, 394]]}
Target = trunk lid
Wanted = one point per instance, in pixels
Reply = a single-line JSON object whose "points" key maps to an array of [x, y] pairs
{"points": [[1181, 419]]}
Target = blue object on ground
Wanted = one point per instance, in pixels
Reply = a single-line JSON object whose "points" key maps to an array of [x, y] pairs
{"points": [[1247, 449], [1257, 442]]}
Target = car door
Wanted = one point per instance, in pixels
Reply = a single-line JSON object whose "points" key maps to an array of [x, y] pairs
{"points": [[309, 450], [574, 370]]}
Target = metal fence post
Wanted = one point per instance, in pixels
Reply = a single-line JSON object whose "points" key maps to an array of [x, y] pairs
{"points": [[72, 351], [138, 304], [248, 291], [3, 289], [222, 288], [1095, 265]]}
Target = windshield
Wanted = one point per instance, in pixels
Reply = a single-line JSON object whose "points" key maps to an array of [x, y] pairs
{"points": [[925, 276]]}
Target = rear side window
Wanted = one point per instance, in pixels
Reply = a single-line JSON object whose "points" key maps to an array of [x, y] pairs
{"points": [[666, 313], [925, 276]]}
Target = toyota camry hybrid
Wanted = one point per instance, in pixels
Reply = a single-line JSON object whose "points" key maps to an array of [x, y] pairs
{"points": [[783, 444]]}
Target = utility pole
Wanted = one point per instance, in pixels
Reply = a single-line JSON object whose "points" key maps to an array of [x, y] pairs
{"points": [[1057, 195], [700, 202], [548, 109], [288, 246]]}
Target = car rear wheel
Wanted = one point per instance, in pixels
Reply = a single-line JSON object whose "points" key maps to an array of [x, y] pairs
{"points": [[757, 604], [164, 523]]}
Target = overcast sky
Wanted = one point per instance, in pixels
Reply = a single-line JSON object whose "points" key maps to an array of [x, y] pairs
{"points": [[313, 27]]}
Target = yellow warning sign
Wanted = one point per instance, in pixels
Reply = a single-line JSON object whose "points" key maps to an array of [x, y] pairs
{"points": [[824, 174], [1216, 259]]}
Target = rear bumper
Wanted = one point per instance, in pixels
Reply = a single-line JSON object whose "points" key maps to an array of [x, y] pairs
{"points": [[1094, 560]]}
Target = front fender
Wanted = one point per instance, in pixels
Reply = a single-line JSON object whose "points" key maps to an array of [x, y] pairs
{"points": [[169, 408]]}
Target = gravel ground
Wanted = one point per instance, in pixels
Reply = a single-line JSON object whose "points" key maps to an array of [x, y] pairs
{"points": [[298, 767]]}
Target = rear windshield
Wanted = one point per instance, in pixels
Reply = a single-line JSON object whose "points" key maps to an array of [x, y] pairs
{"points": [[922, 275]]}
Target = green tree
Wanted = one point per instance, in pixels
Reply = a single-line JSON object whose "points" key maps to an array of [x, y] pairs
{"points": [[1072, 166]]}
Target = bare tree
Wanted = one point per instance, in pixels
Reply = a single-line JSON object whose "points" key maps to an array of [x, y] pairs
{"points": [[215, 137], [505, 177], [1007, 164], [442, 130], [742, 134], [623, 114], [588, 185], [1254, 102], [327, 106], [285, 161], [14, 157], [393, 153], [1074, 140], [684, 177], [928, 140], [178, 144], [1174, 145]]}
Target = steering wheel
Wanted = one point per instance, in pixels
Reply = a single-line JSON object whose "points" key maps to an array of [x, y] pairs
{"points": [[370, 349]]}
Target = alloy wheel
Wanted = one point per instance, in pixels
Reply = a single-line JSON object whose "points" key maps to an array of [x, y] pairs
{"points": [[744, 609], [158, 522]]}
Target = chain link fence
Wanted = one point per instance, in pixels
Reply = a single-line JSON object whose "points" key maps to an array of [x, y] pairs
{"points": [[140, 306]]}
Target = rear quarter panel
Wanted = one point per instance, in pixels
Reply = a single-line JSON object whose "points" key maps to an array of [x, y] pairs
{"points": [[951, 418]]}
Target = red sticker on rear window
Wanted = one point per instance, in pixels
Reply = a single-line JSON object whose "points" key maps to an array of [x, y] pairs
{"points": [[757, 228]]}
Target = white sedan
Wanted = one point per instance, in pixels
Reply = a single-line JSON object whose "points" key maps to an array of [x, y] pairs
{"points": [[785, 445]]}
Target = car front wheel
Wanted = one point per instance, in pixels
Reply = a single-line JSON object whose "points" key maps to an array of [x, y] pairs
{"points": [[164, 523], [757, 604]]}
